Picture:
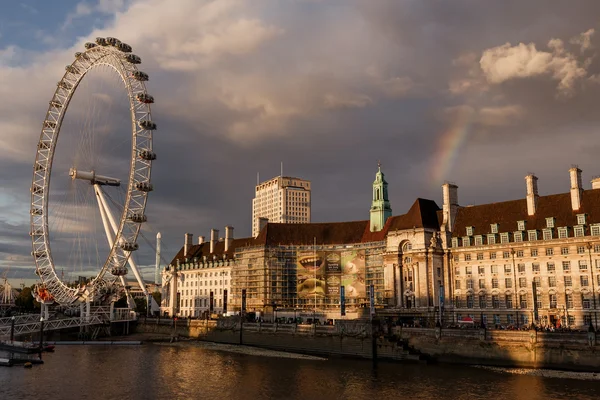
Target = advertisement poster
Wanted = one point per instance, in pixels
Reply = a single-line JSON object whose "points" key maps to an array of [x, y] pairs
{"points": [[322, 273]]}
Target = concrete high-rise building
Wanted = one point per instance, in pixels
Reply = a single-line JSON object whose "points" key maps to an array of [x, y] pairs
{"points": [[281, 199]]}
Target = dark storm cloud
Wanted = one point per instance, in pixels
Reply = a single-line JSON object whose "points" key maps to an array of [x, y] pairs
{"points": [[330, 88]]}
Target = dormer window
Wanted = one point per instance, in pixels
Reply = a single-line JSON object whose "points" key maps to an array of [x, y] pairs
{"points": [[580, 219], [520, 225], [466, 241], [504, 237], [494, 228], [454, 242], [550, 222], [518, 236], [532, 235], [579, 231], [478, 240], [491, 239], [469, 231], [563, 233], [595, 230], [547, 234]]}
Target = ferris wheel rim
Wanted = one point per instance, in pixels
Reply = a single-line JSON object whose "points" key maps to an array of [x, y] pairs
{"points": [[117, 55]]}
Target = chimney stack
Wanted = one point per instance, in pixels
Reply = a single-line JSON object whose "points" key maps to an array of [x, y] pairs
{"points": [[262, 222], [596, 183], [228, 237], [187, 244], [532, 194], [576, 188], [450, 206], [214, 238], [201, 239]]}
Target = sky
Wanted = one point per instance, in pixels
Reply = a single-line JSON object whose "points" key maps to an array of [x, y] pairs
{"points": [[479, 93]]}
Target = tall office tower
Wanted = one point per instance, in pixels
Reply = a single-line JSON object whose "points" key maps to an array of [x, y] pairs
{"points": [[281, 199]]}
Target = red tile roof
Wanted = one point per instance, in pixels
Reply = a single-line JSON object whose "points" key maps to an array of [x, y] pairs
{"points": [[507, 213]]}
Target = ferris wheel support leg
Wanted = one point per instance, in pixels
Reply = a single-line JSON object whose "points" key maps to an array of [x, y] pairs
{"points": [[111, 240], [113, 224]]}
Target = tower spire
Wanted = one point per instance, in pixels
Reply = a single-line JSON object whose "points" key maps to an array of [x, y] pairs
{"points": [[380, 206]]}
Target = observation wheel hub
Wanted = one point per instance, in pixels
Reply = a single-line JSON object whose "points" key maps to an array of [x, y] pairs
{"points": [[94, 178]]}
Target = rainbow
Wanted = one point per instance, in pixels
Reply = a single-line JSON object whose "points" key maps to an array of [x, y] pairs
{"points": [[449, 145]]}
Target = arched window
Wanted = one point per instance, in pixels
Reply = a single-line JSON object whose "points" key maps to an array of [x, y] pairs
{"points": [[406, 247], [377, 194]]}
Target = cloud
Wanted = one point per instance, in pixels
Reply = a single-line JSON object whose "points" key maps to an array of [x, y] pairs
{"points": [[584, 40], [506, 62], [336, 101]]}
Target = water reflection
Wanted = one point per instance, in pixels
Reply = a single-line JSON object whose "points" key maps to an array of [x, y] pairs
{"points": [[189, 372]]}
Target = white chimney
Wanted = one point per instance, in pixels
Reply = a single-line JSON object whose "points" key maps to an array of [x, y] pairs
{"points": [[576, 188], [214, 238], [450, 206], [228, 237], [187, 244], [596, 183], [201, 239], [262, 222], [532, 193]]}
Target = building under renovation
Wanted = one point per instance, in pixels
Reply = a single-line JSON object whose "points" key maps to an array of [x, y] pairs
{"points": [[534, 260]]}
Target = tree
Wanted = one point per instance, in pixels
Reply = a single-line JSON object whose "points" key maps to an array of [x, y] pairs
{"points": [[25, 299], [140, 305]]}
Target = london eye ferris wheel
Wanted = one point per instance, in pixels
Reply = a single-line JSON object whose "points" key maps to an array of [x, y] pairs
{"points": [[89, 189]]}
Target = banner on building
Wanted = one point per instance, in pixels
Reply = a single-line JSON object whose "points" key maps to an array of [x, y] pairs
{"points": [[323, 273], [342, 301], [210, 303], [372, 299], [441, 295], [177, 302], [225, 301], [243, 301]]}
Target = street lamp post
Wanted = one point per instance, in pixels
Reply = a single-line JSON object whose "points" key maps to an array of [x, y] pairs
{"points": [[589, 246], [12, 328]]}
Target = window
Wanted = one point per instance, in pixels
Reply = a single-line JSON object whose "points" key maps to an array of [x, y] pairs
{"points": [[597, 248], [523, 301], [583, 265], [469, 283], [571, 320], [521, 225], [469, 231], [522, 282], [549, 251], [521, 268], [580, 219], [504, 237], [457, 284], [466, 241], [481, 270], [598, 264], [457, 303], [537, 281], [454, 242], [552, 300], [578, 230], [493, 256], [551, 281], [569, 300], [456, 257], [580, 249], [568, 281], [482, 284], [583, 279], [470, 301], [534, 252], [595, 230], [507, 268], [491, 239], [456, 271], [495, 283], [535, 267], [518, 237], [482, 301], [480, 256], [494, 269], [539, 302], [495, 301], [586, 303], [563, 233], [494, 228], [566, 266], [468, 257], [547, 234], [532, 235], [550, 222], [508, 283], [520, 253], [478, 240], [564, 251], [468, 270], [508, 301], [551, 267], [505, 254]]}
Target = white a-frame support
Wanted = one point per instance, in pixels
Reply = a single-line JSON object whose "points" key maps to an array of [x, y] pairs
{"points": [[110, 228]]}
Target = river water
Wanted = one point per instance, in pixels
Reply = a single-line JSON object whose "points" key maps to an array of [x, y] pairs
{"points": [[206, 371]]}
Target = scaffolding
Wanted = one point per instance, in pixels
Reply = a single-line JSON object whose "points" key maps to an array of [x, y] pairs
{"points": [[269, 274]]}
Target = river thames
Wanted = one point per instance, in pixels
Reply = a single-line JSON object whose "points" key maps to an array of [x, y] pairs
{"points": [[205, 371]]}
